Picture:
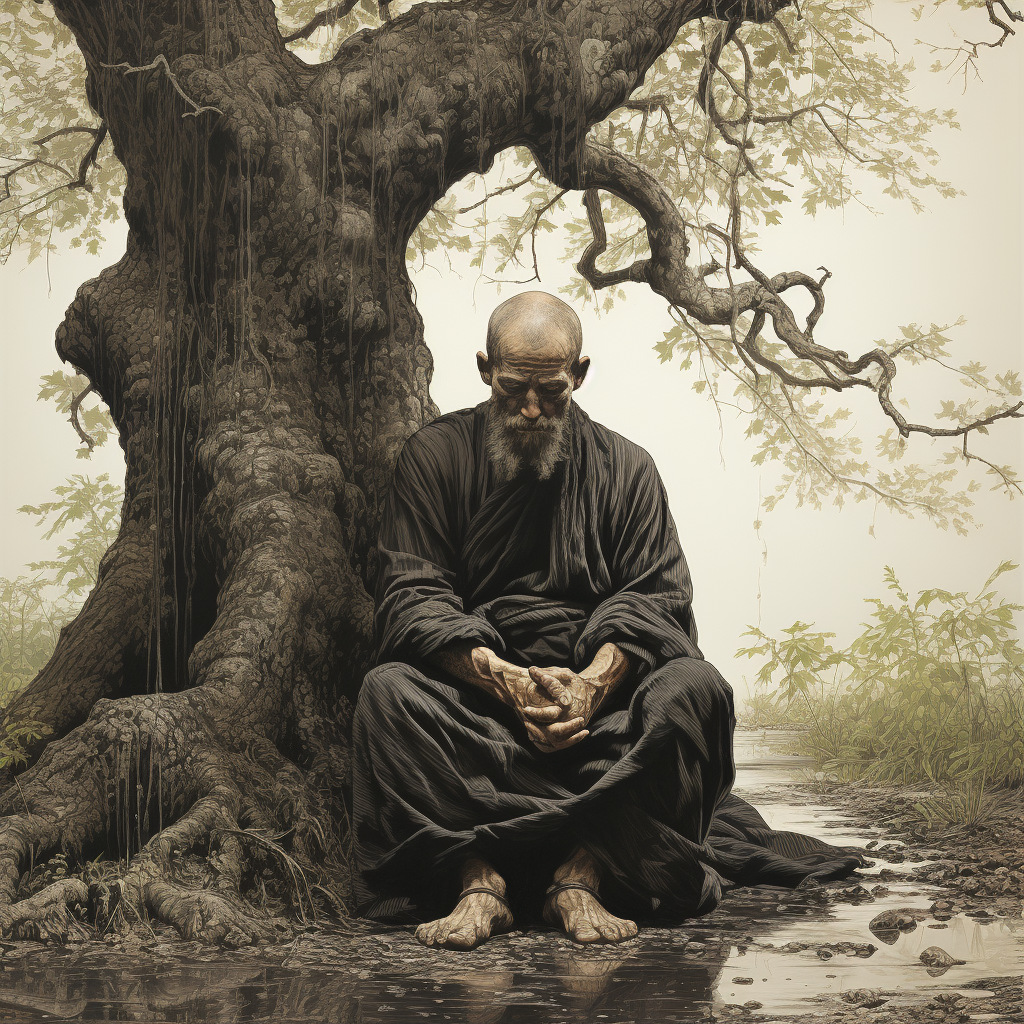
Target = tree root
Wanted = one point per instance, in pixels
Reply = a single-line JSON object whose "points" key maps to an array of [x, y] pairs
{"points": [[208, 916], [49, 915], [95, 651], [147, 779]]}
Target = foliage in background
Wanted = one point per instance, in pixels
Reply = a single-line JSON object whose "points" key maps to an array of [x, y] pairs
{"points": [[815, 110], [34, 608], [932, 691]]}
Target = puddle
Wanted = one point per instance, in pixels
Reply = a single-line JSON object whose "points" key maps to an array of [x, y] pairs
{"points": [[369, 975]]}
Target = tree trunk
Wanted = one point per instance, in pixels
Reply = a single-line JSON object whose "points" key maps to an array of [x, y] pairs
{"points": [[261, 354]]}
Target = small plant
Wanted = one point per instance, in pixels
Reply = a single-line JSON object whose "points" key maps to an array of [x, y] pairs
{"points": [[931, 691]]}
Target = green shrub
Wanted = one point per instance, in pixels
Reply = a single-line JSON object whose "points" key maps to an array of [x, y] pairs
{"points": [[931, 691]]}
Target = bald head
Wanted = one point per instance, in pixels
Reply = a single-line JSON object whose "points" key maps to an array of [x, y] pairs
{"points": [[534, 324], [532, 366]]}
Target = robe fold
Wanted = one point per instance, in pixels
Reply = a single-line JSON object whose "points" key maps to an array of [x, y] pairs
{"points": [[545, 572]]}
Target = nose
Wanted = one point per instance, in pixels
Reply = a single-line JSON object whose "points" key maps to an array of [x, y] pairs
{"points": [[531, 405]]}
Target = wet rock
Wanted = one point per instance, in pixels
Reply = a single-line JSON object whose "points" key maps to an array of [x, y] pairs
{"points": [[938, 960], [743, 981], [865, 998], [890, 923], [853, 893], [752, 1004]]}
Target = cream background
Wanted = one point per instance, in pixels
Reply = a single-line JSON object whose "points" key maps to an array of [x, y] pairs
{"points": [[962, 256]]}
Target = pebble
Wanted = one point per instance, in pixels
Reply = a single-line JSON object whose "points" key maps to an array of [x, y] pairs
{"points": [[936, 956]]}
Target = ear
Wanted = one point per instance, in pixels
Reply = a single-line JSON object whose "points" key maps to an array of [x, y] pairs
{"points": [[579, 371], [483, 364]]}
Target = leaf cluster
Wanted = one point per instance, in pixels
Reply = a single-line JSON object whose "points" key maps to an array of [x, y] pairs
{"points": [[931, 690]]}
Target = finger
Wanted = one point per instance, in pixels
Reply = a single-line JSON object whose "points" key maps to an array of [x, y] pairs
{"points": [[574, 739], [561, 730], [552, 685], [547, 713], [537, 736]]}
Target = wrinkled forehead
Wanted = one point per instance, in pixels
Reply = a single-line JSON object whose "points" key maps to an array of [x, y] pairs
{"points": [[544, 350], [542, 366]]}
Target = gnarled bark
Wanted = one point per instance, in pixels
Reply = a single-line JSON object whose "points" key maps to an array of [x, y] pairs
{"points": [[260, 352]]}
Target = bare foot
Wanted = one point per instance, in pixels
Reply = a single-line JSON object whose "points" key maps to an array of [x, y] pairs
{"points": [[583, 919], [477, 916], [578, 912]]}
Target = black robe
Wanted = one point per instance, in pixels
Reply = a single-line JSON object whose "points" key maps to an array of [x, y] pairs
{"points": [[545, 572]]}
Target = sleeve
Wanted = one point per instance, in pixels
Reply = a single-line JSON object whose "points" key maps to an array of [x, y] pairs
{"points": [[649, 614], [418, 610]]}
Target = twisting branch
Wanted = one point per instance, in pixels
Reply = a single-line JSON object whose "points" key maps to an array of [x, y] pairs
{"points": [[668, 273], [88, 160], [323, 19], [995, 19], [587, 266], [161, 62], [73, 410]]}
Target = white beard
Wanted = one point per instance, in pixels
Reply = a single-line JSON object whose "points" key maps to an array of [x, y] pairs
{"points": [[511, 450]]}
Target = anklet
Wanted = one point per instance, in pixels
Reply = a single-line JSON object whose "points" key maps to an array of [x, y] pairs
{"points": [[557, 887], [487, 892]]}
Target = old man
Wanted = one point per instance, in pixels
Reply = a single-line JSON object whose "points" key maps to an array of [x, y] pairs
{"points": [[541, 731]]}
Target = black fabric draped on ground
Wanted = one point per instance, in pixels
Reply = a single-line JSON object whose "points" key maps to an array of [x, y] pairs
{"points": [[544, 573]]}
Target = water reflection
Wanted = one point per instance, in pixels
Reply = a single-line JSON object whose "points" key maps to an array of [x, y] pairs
{"points": [[761, 948], [568, 986]]}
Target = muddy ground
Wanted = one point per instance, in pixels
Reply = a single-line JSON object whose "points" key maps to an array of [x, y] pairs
{"points": [[933, 931]]}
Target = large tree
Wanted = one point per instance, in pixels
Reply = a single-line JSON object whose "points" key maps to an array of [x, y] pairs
{"points": [[261, 354]]}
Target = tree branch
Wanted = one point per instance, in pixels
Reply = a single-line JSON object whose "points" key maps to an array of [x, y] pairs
{"points": [[161, 62], [587, 265], [668, 273], [73, 417], [511, 187], [323, 19], [80, 181]]}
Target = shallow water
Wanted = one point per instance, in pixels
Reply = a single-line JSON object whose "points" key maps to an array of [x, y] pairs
{"points": [[369, 974]]}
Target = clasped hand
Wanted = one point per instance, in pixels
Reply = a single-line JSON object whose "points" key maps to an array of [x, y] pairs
{"points": [[555, 704]]}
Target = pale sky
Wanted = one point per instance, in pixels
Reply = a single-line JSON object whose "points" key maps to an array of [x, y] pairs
{"points": [[961, 257]]}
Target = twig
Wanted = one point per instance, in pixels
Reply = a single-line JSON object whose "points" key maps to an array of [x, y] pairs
{"points": [[499, 191], [161, 62]]}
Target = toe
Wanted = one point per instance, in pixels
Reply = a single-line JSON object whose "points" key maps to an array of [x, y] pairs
{"points": [[586, 932], [462, 938]]}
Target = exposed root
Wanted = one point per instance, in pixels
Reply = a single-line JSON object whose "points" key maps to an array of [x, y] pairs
{"points": [[52, 915], [95, 651], [148, 780], [209, 916]]}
